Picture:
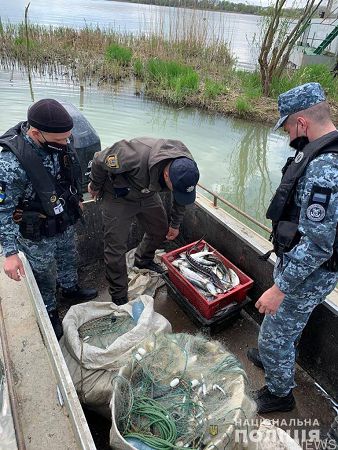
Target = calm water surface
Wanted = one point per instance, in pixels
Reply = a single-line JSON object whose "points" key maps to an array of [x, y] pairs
{"points": [[237, 159]]}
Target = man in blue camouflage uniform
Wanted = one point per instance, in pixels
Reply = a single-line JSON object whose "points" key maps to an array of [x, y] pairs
{"points": [[35, 155], [304, 214]]}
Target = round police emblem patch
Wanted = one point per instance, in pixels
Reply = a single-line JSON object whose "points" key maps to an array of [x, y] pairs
{"points": [[299, 157], [315, 212]]}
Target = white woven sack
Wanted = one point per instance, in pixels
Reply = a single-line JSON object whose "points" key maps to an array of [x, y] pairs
{"points": [[92, 368]]}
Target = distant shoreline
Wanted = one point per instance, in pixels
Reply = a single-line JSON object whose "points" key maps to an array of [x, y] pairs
{"points": [[228, 7]]}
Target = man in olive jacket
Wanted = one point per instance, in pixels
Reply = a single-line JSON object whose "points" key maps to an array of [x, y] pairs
{"points": [[128, 177]]}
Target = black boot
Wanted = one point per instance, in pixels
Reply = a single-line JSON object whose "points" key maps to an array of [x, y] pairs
{"points": [[78, 294], [254, 356], [56, 323], [120, 301], [268, 402], [150, 265]]}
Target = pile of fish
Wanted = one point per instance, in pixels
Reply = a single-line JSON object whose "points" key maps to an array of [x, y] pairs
{"points": [[206, 272]]}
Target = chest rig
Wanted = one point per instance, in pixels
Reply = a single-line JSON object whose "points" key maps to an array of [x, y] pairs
{"points": [[55, 203], [283, 210]]}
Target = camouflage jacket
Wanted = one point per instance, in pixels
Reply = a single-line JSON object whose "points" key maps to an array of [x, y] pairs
{"points": [[15, 185], [317, 237]]}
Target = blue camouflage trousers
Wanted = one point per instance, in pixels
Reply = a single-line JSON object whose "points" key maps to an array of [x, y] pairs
{"points": [[279, 332], [52, 260]]}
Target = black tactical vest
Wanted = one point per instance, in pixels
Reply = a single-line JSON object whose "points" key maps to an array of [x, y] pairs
{"points": [[56, 203], [283, 211]]}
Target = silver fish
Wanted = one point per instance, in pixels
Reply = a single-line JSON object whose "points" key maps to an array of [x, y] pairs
{"points": [[180, 262], [206, 271], [198, 280]]}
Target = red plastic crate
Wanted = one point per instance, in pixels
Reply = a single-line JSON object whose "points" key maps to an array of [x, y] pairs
{"points": [[207, 308]]}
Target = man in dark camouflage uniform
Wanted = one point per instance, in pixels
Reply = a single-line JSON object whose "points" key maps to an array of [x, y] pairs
{"points": [[304, 214], [40, 195]]}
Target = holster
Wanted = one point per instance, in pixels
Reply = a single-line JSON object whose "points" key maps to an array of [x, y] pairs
{"points": [[30, 225], [121, 192], [73, 210], [285, 237]]}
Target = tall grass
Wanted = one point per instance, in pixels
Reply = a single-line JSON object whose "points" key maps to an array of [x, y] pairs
{"points": [[213, 89], [122, 55], [106, 55], [242, 105], [250, 84], [138, 68], [319, 73], [172, 74], [176, 78], [183, 61]]}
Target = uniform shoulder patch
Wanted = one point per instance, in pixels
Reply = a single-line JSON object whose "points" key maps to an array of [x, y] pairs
{"points": [[2, 191], [318, 203], [315, 212], [112, 162]]}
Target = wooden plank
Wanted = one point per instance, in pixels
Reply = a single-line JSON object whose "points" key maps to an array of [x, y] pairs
{"points": [[40, 371]]}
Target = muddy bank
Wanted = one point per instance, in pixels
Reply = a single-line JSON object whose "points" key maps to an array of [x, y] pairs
{"points": [[262, 110]]}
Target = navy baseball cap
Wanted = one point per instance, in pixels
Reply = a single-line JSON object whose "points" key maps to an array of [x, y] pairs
{"points": [[298, 99], [184, 175]]}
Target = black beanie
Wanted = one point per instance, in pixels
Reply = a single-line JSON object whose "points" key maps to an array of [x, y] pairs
{"points": [[50, 116]]}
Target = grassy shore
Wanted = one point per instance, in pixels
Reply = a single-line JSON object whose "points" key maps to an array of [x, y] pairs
{"points": [[186, 68]]}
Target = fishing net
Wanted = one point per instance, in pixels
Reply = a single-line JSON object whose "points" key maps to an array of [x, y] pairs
{"points": [[99, 338], [179, 391], [103, 331]]}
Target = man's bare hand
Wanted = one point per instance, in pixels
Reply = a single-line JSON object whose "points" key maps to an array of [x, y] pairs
{"points": [[13, 267], [172, 233], [269, 302], [93, 193]]}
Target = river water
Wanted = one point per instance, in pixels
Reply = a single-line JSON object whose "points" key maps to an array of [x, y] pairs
{"points": [[237, 159]]}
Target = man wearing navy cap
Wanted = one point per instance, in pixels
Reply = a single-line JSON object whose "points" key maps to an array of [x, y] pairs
{"points": [[304, 215], [40, 194], [128, 176]]}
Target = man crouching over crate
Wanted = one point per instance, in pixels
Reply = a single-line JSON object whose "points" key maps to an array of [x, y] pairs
{"points": [[128, 177]]}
